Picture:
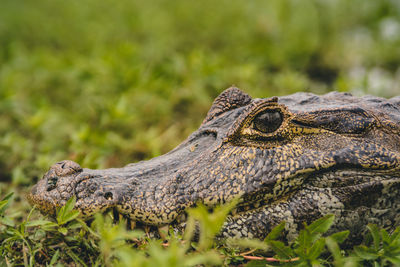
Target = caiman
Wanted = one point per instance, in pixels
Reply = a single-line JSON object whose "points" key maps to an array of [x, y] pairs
{"points": [[293, 158]]}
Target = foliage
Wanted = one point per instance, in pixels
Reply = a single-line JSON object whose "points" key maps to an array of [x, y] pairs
{"points": [[69, 240], [210, 224], [103, 242], [382, 248]]}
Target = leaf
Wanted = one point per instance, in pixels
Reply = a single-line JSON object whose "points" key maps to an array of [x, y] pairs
{"points": [[316, 249], [66, 212], [40, 223], [86, 227], [7, 221], [340, 236], [333, 247], [247, 243], [74, 225], [4, 202], [303, 240], [280, 249], [63, 230], [373, 228], [70, 216], [276, 231], [392, 250], [365, 253], [395, 235], [394, 260], [210, 223], [76, 258], [321, 225], [189, 230], [385, 236], [54, 258], [207, 258]]}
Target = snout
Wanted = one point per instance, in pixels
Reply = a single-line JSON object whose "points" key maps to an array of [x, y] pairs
{"points": [[56, 186], [59, 170], [64, 168]]}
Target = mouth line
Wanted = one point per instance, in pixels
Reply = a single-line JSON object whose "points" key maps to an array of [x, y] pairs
{"points": [[335, 177]]}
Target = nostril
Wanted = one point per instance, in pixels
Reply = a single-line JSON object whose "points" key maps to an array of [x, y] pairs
{"points": [[108, 195], [51, 183], [66, 167]]}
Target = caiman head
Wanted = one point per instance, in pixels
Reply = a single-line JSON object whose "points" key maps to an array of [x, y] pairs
{"points": [[292, 158]]}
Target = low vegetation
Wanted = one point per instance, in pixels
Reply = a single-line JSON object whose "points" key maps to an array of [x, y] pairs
{"points": [[68, 240]]}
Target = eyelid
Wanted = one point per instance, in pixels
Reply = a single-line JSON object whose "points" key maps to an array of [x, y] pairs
{"points": [[345, 122], [250, 132], [243, 128]]}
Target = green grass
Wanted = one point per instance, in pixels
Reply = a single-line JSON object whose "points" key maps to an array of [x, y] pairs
{"points": [[106, 83], [69, 240]]}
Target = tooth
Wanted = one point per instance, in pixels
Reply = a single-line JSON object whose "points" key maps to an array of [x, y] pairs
{"points": [[234, 212], [147, 229], [163, 231], [131, 224]]}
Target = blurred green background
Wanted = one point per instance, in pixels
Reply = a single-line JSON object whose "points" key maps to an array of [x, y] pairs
{"points": [[106, 83]]}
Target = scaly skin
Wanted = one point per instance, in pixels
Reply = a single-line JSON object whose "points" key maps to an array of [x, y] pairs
{"points": [[293, 158]]}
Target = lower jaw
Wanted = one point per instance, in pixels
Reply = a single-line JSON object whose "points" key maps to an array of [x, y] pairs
{"points": [[344, 178], [176, 227], [151, 231]]}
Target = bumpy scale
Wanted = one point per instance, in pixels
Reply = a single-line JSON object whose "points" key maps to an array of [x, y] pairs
{"points": [[293, 158]]}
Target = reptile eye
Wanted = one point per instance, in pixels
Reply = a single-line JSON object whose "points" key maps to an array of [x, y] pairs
{"points": [[268, 121]]}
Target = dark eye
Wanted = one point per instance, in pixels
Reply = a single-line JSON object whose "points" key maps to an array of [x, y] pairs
{"points": [[268, 121]]}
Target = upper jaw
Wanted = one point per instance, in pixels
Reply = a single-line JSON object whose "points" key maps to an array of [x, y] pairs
{"points": [[121, 189], [56, 187]]}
